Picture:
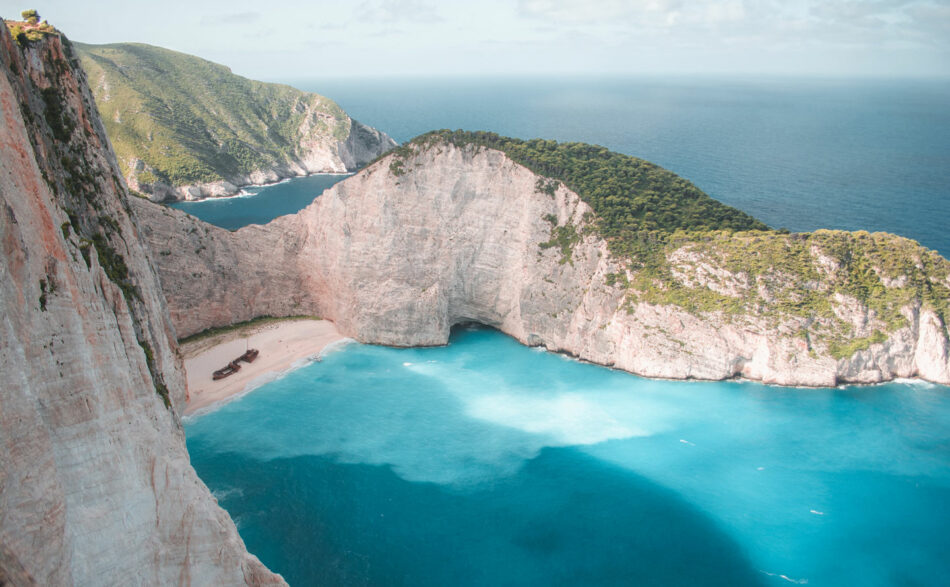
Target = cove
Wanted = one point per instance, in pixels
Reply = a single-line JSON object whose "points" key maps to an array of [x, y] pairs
{"points": [[485, 462], [261, 204]]}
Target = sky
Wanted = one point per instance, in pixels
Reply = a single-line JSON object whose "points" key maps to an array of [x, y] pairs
{"points": [[282, 39]]}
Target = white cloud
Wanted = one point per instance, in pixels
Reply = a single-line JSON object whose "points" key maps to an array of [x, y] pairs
{"points": [[232, 18], [391, 11], [761, 19], [412, 37]]}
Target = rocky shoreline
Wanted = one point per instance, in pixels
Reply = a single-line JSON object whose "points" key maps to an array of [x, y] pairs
{"points": [[344, 157]]}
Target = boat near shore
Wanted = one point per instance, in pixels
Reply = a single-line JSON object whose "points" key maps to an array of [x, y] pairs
{"points": [[234, 366], [227, 371]]}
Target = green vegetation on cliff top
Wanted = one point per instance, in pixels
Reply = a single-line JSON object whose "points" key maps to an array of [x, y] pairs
{"points": [[30, 29], [664, 229], [190, 120], [634, 200]]}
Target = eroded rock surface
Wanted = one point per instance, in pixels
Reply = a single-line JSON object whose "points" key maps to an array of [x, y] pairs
{"points": [[96, 487]]}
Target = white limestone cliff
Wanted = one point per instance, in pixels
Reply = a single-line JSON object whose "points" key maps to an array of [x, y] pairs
{"points": [[398, 259], [96, 487]]}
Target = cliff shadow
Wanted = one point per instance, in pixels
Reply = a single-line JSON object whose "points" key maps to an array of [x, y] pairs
{"points": [[564, 518]]}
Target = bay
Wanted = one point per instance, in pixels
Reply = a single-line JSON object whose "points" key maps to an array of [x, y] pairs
{"points": [[261, 204], [485, 462]]}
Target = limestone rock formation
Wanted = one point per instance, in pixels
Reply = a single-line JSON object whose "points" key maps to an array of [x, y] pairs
{"points": [[186, 129], [400, 253], [95, 481]]}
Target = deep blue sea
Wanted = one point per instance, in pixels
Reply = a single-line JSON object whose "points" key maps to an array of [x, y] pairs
{"points": [[487, 463]]}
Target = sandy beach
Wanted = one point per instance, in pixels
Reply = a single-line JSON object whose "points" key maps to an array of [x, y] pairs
{"points": [[281, 344]]}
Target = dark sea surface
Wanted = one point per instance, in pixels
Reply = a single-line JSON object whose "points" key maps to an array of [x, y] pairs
{"points": [[488, 463]]}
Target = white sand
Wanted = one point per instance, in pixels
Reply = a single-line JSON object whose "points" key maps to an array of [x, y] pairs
{"points": [[281, 344]]}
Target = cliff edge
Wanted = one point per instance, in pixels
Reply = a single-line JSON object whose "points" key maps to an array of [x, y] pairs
{"points": [[184, 128], [95, 481], [444, 231]]}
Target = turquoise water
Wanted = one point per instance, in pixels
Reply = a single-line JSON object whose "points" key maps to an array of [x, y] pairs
{"points": [[261, 204], [488, 463], [799, 153]]}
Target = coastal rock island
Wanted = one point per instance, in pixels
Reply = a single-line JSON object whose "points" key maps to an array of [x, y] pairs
{"points": [[451, 228], [96, 486], [184, 128]]}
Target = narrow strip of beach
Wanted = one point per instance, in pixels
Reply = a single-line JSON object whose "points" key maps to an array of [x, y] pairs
{"points": [[281, 344]]}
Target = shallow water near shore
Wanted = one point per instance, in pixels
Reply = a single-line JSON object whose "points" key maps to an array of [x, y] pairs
{"points": [[486, 462]]}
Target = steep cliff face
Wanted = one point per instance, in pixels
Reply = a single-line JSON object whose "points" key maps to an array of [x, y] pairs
{"points": [[95, 482], [186, 128], [411, 246]]}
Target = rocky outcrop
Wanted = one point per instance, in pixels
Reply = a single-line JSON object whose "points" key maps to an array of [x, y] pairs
{"points": [[401, 252], [186, 129], [95, 481], [313, 155]]}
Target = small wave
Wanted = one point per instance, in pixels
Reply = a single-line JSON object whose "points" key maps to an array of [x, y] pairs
{"points": [[760, 468], [336, 345], [816, 512], [786, 577], [273, 183], [906, 381], [260, 186], [915, 383], [300, 363], [407, 364], [686, 442], [241, 194], [220, 494]]}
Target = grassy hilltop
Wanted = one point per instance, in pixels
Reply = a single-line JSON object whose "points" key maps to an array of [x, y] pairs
{"points": [[189, 120]]}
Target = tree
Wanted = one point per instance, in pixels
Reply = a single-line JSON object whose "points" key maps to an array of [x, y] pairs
{"points": [[31, 16]]}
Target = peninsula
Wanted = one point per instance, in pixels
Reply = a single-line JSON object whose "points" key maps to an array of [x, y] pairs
{"points": [[184, 128], [574, 248]]}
